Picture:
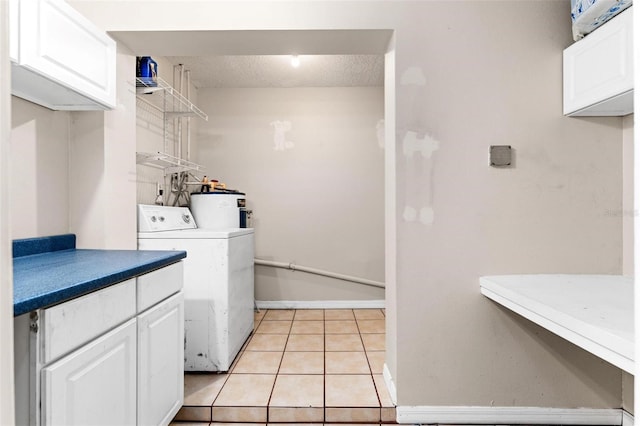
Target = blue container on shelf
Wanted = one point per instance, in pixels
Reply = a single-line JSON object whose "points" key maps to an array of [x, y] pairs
{"points": [[146, 71]]}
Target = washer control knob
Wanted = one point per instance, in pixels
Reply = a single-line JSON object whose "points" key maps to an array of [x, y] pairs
{"points": [[186, 218], [161, 218], [154, 219]]}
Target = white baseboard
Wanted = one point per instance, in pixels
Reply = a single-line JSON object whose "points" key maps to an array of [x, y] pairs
{"points": [[508, 415], [391, 386], [627, 419], [320, 304]]}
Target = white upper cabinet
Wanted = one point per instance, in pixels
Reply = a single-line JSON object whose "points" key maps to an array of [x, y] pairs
{"points": [[60, 60], [598, 71]]}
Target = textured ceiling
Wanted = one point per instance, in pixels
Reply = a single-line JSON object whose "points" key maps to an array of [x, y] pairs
{"points": [[276, 70]]}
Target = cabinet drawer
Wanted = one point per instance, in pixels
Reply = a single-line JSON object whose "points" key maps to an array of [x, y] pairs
{"points": [[71, 324], [158, 285]]}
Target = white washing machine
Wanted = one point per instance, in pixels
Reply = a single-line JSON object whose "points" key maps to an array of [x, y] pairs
{"points": [[218, 282]]}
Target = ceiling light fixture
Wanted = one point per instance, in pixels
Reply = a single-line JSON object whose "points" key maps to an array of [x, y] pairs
{"points": [[295, 61]]}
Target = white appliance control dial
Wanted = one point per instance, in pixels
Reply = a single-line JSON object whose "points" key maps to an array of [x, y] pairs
{"points": [[154, 219], [186, 218]]}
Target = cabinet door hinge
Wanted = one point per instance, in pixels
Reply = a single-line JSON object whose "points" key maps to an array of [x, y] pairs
{"points": [[33, 318]]}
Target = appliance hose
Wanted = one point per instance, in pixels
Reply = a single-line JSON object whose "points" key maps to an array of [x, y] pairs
{"points": [[294, 267]]}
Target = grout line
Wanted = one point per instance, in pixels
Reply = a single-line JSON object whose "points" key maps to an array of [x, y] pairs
{"points": [[371, 374], [324, 370], [279, 366]]}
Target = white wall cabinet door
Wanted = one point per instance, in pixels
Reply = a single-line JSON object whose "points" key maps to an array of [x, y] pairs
{"points": [[95, 385], [64, 61], [598, 70], [161, 362]]}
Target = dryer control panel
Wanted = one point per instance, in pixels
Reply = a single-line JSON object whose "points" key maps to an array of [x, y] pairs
{"points": [[153, 218]]}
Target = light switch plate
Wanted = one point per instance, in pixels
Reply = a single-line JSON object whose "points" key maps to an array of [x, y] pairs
{"points": [[500, 155]]}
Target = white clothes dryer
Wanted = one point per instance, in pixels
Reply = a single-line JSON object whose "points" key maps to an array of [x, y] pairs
{"points": [[218, 282]]}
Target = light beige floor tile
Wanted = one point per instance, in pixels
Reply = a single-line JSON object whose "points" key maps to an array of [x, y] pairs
{"points": [[193, 414], [180, 423], [346, 363], [255, 362], [368, 314], [295, 414], [374, 341], [257, 316], [245, 390], [340, 327], [239, 414], [376, 361], [359, 424], [307, 327], [279, 314], [371, 326], [338, 314], [343, 342], [309, 314], [305, 342], [388, 414], [267, 342], [383, 392], [302, 363], [240, 424], [298, 391], [274, 327], [202, 389], [352, 414], [350, 391]]}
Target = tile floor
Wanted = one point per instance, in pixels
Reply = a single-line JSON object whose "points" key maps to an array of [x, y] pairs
{"points": [[299, 366]]}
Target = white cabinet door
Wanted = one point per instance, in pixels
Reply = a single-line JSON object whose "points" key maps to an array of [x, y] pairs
{"points": [[161, 362], [598, 70], [65, 62], [95, 385]]}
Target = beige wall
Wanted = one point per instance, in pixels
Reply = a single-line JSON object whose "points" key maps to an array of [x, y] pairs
{"points": [[498, 80], [75, 172], [628, 213], [39, 170], [316, 190], [470, 74], [102, 174]]}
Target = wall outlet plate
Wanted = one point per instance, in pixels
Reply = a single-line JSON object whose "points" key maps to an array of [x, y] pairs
{"points": [[500, 155]]}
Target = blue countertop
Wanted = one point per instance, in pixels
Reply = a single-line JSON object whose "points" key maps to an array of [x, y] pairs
{"points": [[50, 270]]}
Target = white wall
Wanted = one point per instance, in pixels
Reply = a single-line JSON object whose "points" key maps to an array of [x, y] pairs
{"points": [[312, 166], [7, 396], [469, 74], [39, 170]]}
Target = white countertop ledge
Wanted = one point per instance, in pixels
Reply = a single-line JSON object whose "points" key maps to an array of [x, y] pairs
{"points": [[594, 312]]}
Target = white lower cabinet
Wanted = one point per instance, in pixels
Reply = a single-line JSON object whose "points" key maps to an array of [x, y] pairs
{"points": [[103, 358], [95, 385], [161, 362]]}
